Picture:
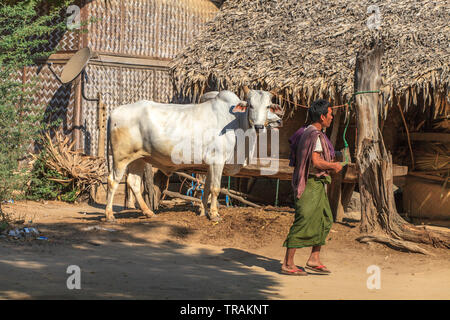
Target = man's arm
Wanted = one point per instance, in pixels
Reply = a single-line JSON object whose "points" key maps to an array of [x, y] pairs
{"points": [[321, 164]]}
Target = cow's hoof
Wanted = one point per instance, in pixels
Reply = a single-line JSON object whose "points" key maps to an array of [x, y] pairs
{"points": [[216, 219], [109, 216], [111, 219], [149, 214]]}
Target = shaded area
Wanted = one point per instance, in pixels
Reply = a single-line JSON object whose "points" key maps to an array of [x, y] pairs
{"points": [[125, 266]]}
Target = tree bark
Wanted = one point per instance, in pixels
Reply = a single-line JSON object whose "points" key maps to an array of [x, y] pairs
{"points": [[149, 189], [154, 185], [379, 218]]}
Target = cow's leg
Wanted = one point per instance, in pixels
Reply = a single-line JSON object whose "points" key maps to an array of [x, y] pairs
{"points": [[135, 175], [206, 192], [130, 198], [113, 183], [216, 176]]}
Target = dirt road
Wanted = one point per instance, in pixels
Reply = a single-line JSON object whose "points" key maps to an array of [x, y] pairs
{"points": [[178, 255]]}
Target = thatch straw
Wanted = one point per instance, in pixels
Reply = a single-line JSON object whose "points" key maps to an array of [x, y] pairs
{"points": [[84, 171], [433, 157], [307, 49]]}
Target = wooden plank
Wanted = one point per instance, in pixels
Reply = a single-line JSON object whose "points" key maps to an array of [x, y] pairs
{"points": [[283, 171], [174, 194], [336, 126], [430, 136], [110, 59], [427, 176], [399, 171], [280, 169]]}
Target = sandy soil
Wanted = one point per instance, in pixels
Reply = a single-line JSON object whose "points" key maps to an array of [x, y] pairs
{"points": [[178, 255]]}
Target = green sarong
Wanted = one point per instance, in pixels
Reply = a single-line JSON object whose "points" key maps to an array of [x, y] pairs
{"points": [[313, 217]]}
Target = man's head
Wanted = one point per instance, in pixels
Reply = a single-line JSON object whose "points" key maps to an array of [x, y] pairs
{"points": [[321, 112]]}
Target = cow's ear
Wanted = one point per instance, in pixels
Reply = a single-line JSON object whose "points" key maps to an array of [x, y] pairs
{"points": [[275, 108], [240, 107]]}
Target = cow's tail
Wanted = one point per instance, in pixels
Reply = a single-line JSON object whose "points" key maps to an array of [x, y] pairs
{"points": [[108, 144]]}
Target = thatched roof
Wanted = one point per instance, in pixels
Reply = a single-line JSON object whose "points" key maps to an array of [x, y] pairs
{"points": [[308, 49]]}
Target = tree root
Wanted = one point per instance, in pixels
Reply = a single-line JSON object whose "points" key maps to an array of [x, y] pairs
{"points": [[397, 244]]}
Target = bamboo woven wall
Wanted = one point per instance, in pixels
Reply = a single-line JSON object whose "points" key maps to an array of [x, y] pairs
{"points": [[58, 100], [120, 85], [150, 28]]}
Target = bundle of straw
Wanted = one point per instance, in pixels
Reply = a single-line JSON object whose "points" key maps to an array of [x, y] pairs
{"points": [[433, 157], [443, 125], [82, 170]]}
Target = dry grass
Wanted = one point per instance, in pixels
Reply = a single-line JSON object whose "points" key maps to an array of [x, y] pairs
{"points": [[433, 157], [78, 168]]}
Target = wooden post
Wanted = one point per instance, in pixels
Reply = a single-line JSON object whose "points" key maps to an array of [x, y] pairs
{"points": [[336, 126], [335, 189], [76, 127], [154, 183], [101, 122], [379, 218], [101, 125]]}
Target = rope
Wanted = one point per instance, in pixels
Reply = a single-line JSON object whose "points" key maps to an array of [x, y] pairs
{"points": [[348, 104], [227, 198], [302, 106]]}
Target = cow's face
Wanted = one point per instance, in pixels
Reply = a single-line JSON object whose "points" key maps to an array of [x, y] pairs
{"points": [[259, 104], [273, 120]]}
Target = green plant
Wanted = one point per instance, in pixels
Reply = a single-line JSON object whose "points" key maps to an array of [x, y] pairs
{"points": [[23, 32], [47, 184]]}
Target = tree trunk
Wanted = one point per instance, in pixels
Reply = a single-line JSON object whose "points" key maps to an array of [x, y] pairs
{"points": [[379, 218], [154, 185]]}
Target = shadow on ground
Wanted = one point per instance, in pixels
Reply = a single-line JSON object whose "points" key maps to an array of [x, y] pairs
{"points": [[120, 265]]}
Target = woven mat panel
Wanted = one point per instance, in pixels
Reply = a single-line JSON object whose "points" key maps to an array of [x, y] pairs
{"points": [[163, 89], [138, 84], [58, 100], [104, 79], [150, 28], [120, 85], [104, 34]]}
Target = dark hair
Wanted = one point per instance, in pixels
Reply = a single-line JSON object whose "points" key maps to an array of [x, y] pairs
{"points": [[318, 108]]}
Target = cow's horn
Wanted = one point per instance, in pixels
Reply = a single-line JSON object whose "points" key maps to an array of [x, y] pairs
{"points": [[275, 91]]}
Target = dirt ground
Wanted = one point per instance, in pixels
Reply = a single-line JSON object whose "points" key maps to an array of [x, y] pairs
{"points": [[178, 255]]}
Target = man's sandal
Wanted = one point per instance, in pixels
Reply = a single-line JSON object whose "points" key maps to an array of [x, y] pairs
{"points": [[294, 272], [319, 269]]}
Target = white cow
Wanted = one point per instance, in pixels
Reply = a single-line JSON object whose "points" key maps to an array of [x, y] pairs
{"points": [[152, 132]]}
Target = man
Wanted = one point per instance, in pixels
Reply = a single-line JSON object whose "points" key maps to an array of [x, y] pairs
{"points": [[312, 155]]}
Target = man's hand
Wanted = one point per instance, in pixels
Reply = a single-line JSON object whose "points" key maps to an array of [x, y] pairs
{"points": [[321, 164], [337, 166]]}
